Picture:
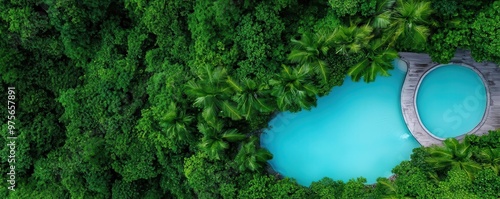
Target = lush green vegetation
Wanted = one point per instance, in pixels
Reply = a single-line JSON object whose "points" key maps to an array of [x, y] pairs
{"points": [[166, 99]]}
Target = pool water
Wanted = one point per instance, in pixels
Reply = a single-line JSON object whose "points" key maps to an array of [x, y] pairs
{"points": [[451, 100], [357, 130]]}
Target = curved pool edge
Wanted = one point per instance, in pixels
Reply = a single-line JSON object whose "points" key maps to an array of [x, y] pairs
{"points": [[485, 84], [418, 64], [402, 96], [407, 99], [398, 132]]}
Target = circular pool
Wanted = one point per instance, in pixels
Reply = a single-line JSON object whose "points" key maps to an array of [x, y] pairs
{"points": [[451, 100]]}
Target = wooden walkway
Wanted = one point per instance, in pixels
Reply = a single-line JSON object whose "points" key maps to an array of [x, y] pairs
{"points": [[418, 64]]}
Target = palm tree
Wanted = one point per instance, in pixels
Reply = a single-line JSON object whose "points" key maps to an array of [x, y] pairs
{"points": [[409, 23], [215, 139], [383, 14], [293, 90], [351, 39], [391, 190], [251, 97], [308, 51], [212, 94], [491, 158], [250, 157], [453, 155], [377, 61], [175, 123]]}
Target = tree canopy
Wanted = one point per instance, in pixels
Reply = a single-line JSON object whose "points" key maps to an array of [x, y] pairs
{"points": [[167, 99]]}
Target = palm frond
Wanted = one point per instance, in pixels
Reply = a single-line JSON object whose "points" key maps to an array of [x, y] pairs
{"points": [[451, 143], [209, 114], [382, 20], [387, 185], [356, 71], [232, 135], [230, 110], [233, 84], [300, 56], [322, 70], [383, 5], [263, 155]]}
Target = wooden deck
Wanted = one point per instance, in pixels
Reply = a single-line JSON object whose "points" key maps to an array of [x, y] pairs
{"points": [[418, 64]]}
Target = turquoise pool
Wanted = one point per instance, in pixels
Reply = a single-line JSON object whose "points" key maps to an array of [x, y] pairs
{"points": [[356, 130], [451, 100]]}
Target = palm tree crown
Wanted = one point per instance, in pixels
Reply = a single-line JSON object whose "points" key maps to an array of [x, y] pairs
{"points": [[453, 155], [409, 21], [382, 16], [292, 90], [175, 123], [351, 39], [377, 61], [212, 94], [215, 138], [308, 51], [251, 97], [491, 158], [250, 157]]}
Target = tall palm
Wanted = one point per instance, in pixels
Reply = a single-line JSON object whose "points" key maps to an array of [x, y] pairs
{"points": [[309, 49], [491, 158], [409, 22], [250, 157], [213, 94], [175, 123], [351, 39], [215, 138], [293, 90], [453, 155], [377, 61], [250, 97]]}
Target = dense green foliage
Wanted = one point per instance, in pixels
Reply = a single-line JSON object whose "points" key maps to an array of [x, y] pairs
{"points": [[467, 25], [166, 99]]}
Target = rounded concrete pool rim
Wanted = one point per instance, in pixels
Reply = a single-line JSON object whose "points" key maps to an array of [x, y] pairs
{"points": [[487, 95]]}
